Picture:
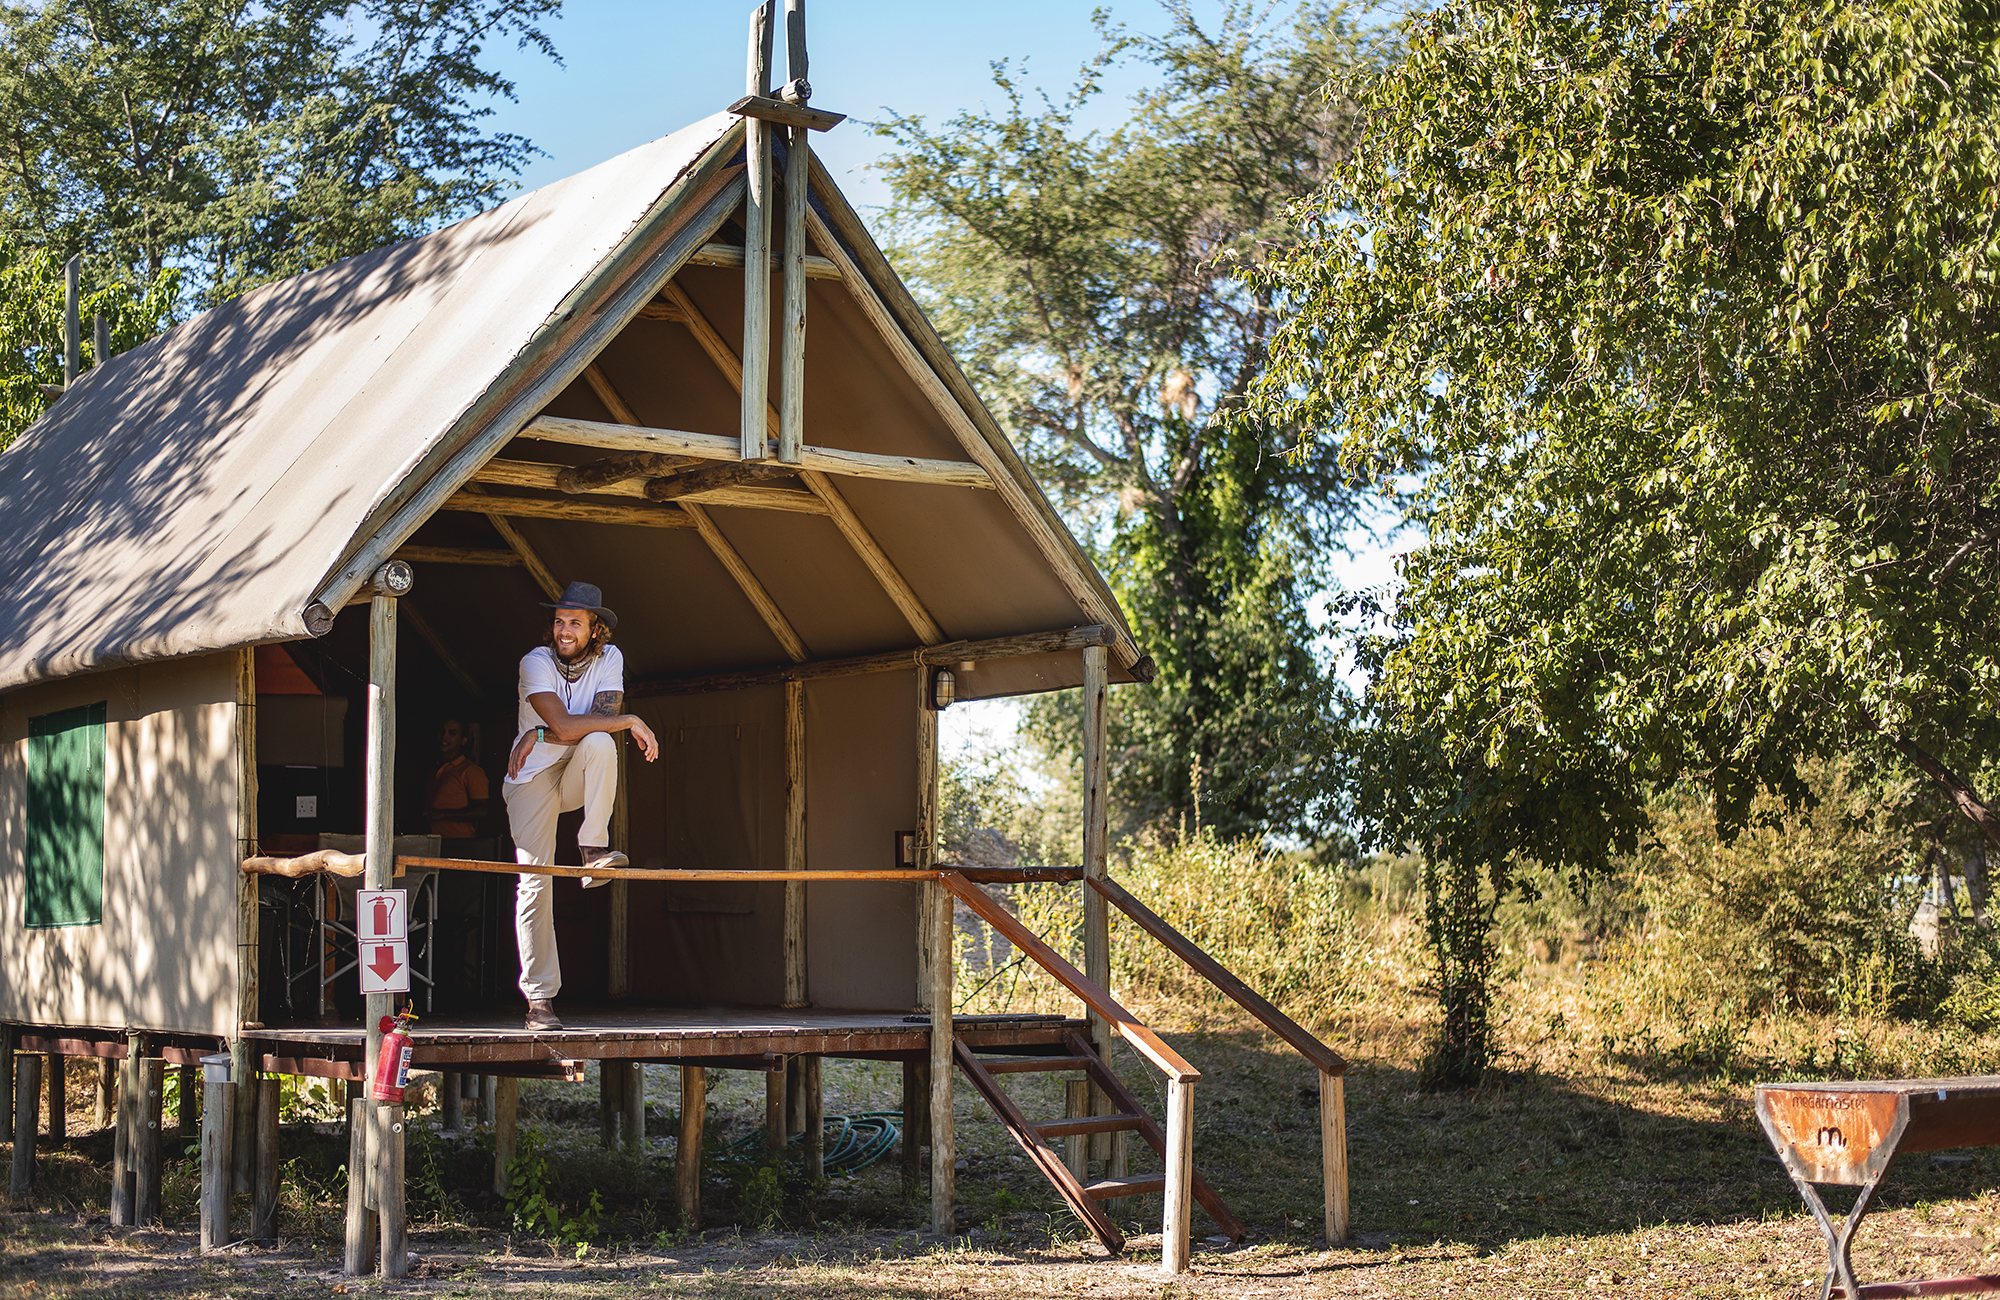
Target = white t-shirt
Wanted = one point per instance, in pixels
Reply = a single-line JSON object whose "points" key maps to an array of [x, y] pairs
{"points": [[604, 672]]}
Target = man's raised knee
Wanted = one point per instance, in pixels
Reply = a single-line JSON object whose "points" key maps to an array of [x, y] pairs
{"points": [[599, 744]]}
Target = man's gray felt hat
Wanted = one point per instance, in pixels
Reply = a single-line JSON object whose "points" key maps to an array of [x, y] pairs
{"points": [[581, 595]]}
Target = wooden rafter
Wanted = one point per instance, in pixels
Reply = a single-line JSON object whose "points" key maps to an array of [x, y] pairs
{"points": [[730, 257], [693, 482], [709, 446], [580, 509], [864, 543], [543, 477], [753, 590]]}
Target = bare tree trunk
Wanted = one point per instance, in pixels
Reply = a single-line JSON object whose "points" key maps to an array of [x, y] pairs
{"points": [[1975, 881]]}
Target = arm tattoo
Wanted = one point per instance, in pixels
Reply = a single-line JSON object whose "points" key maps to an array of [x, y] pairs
{"points": [[608, 703]]}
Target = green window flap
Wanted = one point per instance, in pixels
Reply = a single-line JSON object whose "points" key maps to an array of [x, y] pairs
{"points": [[66, 818]]}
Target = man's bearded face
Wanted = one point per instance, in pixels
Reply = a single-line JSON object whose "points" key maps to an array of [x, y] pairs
{"points": [[572, 633]]}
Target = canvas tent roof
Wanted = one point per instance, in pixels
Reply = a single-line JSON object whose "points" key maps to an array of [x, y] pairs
{"points": [[203, 491]]}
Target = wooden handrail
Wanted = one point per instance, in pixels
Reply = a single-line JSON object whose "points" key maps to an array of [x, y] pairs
{"points": [[1328, 1060], [348, 864], [1144, 1041]]}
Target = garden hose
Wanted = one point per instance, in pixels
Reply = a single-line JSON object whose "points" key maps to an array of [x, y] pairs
{"points": [[853, 1142]]}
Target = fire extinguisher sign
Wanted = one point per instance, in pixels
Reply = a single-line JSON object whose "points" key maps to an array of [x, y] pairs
{"points": [[382, 934]]}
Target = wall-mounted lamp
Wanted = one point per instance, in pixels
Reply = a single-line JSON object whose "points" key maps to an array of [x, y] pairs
{"points": [[944, 689]]}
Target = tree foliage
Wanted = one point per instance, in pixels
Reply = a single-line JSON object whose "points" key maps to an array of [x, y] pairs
{"points": [[1090, 281], [1685, 313], [247, 142]]}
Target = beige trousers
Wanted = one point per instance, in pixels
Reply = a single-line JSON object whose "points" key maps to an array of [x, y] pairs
{"points": [[585, 777]]}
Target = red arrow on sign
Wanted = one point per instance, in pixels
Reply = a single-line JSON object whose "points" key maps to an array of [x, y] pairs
{"points": [[385, 963]]}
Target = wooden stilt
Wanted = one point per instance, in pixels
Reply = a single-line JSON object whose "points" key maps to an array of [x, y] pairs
{"points": [[610, 1102], [264, 1202], [634, 1093], [774, 1115], [795, 1096], [451, 1102], [815, 1116], [7, 1056], [359, 1256], [1076, 1105], [506, 1112], [27, 1101], [149, 1082], [687, 1150], [1180, 1177], [121, 1149], [243, 1146], [58, 1098], [938, 995], [489, 1097], [1333, 1153], [218, 1127], [187, 1102], [107, 1092], [395, 1257], [916, 1106]]}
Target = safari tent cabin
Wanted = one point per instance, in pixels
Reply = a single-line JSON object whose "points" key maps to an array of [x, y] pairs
{"points": [[256, 561]]}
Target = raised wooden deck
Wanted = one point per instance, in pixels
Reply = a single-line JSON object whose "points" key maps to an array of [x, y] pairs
{"points": [[744, 1038]]}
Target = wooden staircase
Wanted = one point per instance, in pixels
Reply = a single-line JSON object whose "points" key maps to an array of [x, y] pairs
{"points": [[1131, 1117]]}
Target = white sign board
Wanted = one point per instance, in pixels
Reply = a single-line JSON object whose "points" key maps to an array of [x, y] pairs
{"points": [[385, 967], [381, 914]]}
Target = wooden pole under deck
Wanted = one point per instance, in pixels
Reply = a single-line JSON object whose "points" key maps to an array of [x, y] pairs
{"points": [[1333, 1153], [687, 1149], [774, 1114], [243, 1060], [938, 995], [218, 1124], [1109, 1147], [359, 1256], [506, 1117], [610, 1102], [187, 1116], [386, 1166], [106, 1072], [264, 1202], [815, 1117], [121, 1141], [148, 1078], [27, 1101], [757, 241], [634, 1123], [58, 1086]]}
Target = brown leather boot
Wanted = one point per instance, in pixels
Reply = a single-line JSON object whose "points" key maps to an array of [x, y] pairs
{"points": [[542, 1014]]}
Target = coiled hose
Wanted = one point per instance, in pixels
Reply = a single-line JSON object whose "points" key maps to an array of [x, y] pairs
{"points": [[853, 1142]]}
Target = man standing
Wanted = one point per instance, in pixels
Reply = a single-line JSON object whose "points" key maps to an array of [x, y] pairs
{"points": [[572, 697]]}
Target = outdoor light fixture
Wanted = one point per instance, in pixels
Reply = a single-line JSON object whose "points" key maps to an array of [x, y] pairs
{"points": [[944, 689]]}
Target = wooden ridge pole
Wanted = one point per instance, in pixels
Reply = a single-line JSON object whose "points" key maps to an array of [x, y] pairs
{"points": [[757, 240]]}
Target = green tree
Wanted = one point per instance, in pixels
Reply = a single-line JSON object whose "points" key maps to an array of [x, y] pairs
{"points": [[1090, 281], [1685, 314], [32, 301], [246, 141]]}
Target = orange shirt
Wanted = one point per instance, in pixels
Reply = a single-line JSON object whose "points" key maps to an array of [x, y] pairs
{"points": [[457, 784]]}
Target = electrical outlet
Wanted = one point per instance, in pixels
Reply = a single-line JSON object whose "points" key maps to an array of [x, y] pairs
{"points": [[308, 806]]}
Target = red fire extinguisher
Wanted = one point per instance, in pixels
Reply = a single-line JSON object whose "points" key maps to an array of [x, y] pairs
{"points": [[392, 1063]]}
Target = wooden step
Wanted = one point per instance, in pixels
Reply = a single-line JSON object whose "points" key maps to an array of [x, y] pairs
{"points": [[1032, 1064], [1110, 1189], [1088, 1124]]}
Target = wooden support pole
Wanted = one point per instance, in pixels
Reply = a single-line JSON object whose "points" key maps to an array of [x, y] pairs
{"points": [[489, 1097], [395, 1232], [451, 1102], [796, 994], [757, 241], [774, 1115], [1076, 1105], [687, 1149], [218, 1128], [7, 1033], [1108, 1147], [379, 814], [358, 1259], [792, 320], [188, 1097], [916, 1108], [243, 1145], [634, 1122], [618, 945], [107, 1091], [610, 1102], [1180, 1177], [506, 1117], [1333, 1153], [264, 1203], [243, 1062], [935, 909], [121, 1140], [149, 1080], [27, 1102], [815, 1079], [795, 1097], [58, 1098]]}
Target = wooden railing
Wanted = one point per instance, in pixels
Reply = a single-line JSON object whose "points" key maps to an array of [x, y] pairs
{"points": [[1332, 1068]]}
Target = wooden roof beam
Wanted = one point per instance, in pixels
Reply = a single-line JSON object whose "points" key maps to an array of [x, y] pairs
{"points": [[709, 446], [581, 511], [948, 655], [693, 482], [543, 477], [596, 475], [730, 257]]}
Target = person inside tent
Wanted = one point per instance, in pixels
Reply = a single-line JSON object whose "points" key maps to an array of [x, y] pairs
{"points": [[572, 697], [459, 796]]}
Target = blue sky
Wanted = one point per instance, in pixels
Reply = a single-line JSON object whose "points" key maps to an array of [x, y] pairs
{"points": [[635, 71]]}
